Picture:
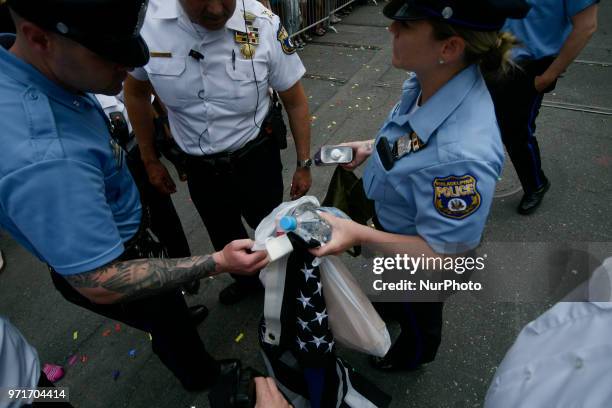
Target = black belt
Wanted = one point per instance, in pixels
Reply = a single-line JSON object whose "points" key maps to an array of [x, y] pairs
{"points": [[230, 158]]}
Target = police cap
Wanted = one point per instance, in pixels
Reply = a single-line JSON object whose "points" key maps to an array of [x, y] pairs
{"points": [[479, 15], [110, 28]]}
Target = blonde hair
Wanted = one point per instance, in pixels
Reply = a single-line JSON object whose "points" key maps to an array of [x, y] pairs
{"points": [[489, 49]]}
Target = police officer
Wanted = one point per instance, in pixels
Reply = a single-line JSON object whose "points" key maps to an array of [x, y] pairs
{"points": [[158, 207], [66, 194], [212, 63], [552, 35], [436, 159]]}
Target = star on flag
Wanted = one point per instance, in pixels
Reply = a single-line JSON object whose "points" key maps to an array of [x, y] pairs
{"points": [[318, 340], [305, 300], [319, 287], [308, 273], [320, 316], [303, 324], [330, 346], [301, 343]]}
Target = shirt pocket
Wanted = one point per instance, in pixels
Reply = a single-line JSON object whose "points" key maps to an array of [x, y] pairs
{"points": [[247, 78], [377, 183], [171, 82]]}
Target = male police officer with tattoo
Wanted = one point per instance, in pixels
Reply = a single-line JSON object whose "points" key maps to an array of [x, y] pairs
{"points": [[212, 63], [65, 192]]}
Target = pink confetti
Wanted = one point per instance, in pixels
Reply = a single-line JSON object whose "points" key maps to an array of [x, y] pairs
{"points": [[84, 358], [72, 359], [53, 372], [117, 327], [106, 333]]}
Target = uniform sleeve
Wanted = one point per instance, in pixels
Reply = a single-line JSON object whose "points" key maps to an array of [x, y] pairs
{"points": [[574, 7], [60, 207], [140, 74], [452, 202], [285, 66]]}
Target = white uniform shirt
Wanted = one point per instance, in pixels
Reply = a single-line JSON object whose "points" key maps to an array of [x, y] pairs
{"points": [[563, 358], [211, 102], [19, 365]]}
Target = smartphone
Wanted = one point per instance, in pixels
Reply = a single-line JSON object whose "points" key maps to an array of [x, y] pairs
{"points": [[332, 155]]}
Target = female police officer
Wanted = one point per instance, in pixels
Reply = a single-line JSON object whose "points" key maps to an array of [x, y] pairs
{"points": [[438, 155]]}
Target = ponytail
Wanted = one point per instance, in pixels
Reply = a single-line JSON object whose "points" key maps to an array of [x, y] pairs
{"points": [[491, 50]]}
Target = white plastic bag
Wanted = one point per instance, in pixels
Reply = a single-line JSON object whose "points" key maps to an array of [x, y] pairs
{"points": [[352, 318]]}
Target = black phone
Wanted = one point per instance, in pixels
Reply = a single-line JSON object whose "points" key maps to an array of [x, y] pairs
{"points": [[385, 153]]}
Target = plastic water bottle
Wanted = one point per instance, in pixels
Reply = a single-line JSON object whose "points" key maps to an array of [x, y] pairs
{"points": [[305, 222]]}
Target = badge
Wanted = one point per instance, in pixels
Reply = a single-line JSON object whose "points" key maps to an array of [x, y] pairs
{"points": [[267, 13], [247, 51], [286, 44], [456, 197], [117, 152]]}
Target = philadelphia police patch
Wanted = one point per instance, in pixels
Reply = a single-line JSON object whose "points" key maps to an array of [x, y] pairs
{"points": [[456, 197], [283, 38]]}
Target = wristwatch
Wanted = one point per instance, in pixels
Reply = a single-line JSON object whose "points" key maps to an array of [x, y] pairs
{"points": [[304, 164]]}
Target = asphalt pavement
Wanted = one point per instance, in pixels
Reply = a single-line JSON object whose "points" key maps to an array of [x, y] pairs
{"points": [[351, 86]]}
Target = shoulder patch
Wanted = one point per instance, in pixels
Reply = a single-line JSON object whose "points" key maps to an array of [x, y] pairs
{"points": [[456, 197], [283, 38]]}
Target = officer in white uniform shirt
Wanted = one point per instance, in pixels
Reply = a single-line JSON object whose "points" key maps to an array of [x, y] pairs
{"points": [[564, 357], [212, 63]]}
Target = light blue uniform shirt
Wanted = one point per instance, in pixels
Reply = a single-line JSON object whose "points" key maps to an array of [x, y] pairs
{"points": [[545, 28], [443, 192], [65, 193]]}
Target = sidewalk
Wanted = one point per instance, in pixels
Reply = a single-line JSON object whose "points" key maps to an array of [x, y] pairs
{"points": [[351, 87]]}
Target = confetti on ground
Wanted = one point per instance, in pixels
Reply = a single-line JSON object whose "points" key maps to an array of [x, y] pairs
{"points": [[72, 359], [132, 353], [116, 374], [117, 327], [75, 335], [239, 338], [150, 337], [106, 332], [333, 122], [53, 372], [84, 358]]}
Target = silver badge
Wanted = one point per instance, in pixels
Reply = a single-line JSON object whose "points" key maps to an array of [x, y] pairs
{"points": [[404, 146]]}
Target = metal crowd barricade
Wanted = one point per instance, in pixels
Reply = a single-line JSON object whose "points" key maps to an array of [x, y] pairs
{"points": [[299, 16]]}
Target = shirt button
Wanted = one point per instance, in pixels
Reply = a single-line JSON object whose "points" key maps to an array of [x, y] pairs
{"points": [[33, 95], [76, 103], [201, 94], [579, 363], [527, 375]]}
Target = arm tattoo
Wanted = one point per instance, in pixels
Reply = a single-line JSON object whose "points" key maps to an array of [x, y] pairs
{"points": [[144, 277]]}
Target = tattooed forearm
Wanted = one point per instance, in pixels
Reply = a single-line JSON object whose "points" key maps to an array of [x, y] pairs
{"points": [[128, 280]]}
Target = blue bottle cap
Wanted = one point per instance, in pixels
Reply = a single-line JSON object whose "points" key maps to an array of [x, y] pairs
{"points": [[288, 223]]}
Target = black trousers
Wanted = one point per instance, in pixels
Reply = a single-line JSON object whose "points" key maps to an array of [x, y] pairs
{"points": [[225, 188], [420, 324], [175, 339], [164, 220], [517, 105]]}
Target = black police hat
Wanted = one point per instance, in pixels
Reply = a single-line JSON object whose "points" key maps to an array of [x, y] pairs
{"points": [[480, 15], [110, 28]]}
